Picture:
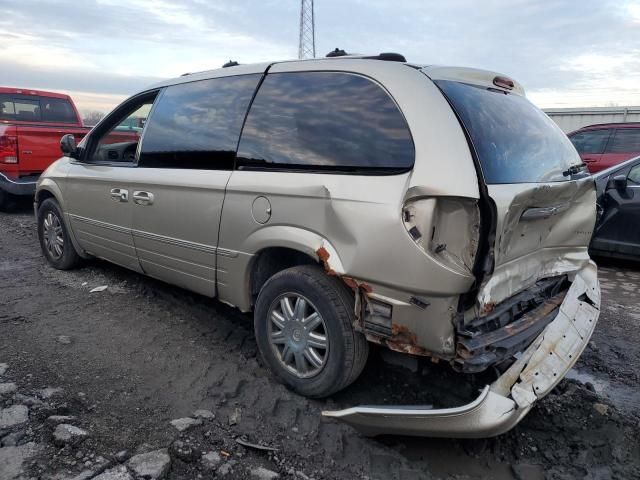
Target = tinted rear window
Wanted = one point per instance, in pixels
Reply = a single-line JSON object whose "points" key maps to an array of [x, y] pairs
{"points": [[625, 140], [57, 110], [36, 109], [327, 121], [515, 142], [197, 125], [7, 108], [27, 110]]}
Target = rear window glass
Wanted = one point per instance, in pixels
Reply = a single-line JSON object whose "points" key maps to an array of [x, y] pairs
{"points": [[7, 109], [325, 121], [515, 142], [36, 109], [625, 140], [197, 124], [592, 141], [27, 110], [57, 110]]}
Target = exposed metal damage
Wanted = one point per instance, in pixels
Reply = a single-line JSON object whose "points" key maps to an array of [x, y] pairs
{"points": [[376, 324], [509, 327], [501, 405]]}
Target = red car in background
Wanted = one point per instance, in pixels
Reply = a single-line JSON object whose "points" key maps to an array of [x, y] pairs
{"points": [[605, 145], [31, 125]]}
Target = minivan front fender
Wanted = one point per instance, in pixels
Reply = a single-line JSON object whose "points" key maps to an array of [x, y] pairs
{"points": [[48, 186]]}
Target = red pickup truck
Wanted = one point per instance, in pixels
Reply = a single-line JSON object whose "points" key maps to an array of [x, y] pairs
{"points": [[31, 125]]}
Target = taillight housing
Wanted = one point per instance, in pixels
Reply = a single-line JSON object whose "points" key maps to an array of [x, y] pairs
{"points": [[445, 228], [8, 149]]}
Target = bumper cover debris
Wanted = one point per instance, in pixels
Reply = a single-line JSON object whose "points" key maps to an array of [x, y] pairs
{"points": [[508, 399]]}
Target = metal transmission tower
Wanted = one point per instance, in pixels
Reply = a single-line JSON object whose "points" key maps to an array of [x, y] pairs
{"points": [[307, 40]]}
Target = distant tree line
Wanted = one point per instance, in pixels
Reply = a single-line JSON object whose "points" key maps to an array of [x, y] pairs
{"points": [[91, 117]]}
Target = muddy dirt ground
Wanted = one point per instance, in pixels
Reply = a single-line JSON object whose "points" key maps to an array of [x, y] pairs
{"points": [[127, 361]]}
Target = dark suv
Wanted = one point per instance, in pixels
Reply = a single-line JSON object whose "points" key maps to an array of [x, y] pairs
{"points": [[607, 144]]}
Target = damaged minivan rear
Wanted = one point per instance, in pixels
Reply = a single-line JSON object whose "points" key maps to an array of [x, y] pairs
{"points": [[529, 295], [347, 201]]}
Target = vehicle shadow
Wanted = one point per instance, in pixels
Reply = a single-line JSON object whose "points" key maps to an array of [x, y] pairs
{"points": [[617, 263], [19, 205]]}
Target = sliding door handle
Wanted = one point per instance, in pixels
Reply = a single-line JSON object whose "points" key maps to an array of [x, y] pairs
{"points": [[119, 195], [143, 198]]}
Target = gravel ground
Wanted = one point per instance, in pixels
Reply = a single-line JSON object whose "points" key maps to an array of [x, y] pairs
{"points": [[91, 386]]}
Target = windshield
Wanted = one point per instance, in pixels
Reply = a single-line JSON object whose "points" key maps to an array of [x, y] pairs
{"points": [[515, 142]]}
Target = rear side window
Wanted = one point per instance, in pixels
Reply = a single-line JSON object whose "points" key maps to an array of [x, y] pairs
{"points": [[57, 110], [592, 141], [325, 121], [515, 142], [625, 140], [197, 125]]}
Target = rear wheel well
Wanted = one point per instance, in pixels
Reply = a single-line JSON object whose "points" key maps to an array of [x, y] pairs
{"points": [[273, 260]]}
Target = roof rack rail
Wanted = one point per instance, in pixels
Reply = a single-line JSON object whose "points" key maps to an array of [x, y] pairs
{"points": [[338, 52], [185, 74], [388, 56], [230, 63]]}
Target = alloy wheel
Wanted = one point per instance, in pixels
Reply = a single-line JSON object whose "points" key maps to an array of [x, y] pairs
{"points": [[298, 335], [52, 232]]}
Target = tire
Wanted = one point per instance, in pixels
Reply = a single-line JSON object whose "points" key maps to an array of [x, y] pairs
{"points": [[50, 219], [346, 350]]}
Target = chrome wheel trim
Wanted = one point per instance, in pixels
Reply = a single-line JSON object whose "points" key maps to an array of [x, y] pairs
{"points": [[298, 335], [52, 233]]}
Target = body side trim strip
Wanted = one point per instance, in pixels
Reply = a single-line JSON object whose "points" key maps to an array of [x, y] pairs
{"points": [[159, 238]]}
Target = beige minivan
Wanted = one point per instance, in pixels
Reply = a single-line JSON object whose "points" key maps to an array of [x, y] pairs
{"points": [[431, 210]]}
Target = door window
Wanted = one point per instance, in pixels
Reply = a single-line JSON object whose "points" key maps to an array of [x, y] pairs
{"points": [[197, 125], [634, 175], [325, 121], [592, 141], [116, 138], [625, 140]]}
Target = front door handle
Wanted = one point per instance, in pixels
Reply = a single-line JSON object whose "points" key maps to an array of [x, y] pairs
{"points": [[143, 198], [119, 195]]}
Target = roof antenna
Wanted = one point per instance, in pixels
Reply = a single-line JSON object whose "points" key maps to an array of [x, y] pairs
{"points": [[230, 63]]}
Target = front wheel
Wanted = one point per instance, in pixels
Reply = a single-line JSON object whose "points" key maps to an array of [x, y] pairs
{"points": [[54, 239], [304, 330]]}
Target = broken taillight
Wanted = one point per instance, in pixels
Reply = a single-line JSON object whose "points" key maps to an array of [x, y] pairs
{"points": [[446, 228], [8, 149]]}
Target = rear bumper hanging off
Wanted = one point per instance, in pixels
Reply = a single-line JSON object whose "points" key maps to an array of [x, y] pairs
{"points": [[507, 400]]}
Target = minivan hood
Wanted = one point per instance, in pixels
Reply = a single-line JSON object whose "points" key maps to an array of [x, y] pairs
{"points": [[542, 230]]}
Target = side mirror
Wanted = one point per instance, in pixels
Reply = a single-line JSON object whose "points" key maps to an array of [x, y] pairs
{"points": [[619, 182], [68, 146]]}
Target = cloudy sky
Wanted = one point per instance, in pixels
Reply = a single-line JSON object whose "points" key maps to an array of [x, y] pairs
{"points": [[567, 53]]}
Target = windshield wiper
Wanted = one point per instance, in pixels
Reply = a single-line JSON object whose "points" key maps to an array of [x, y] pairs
{"points": [[574, 169]]}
